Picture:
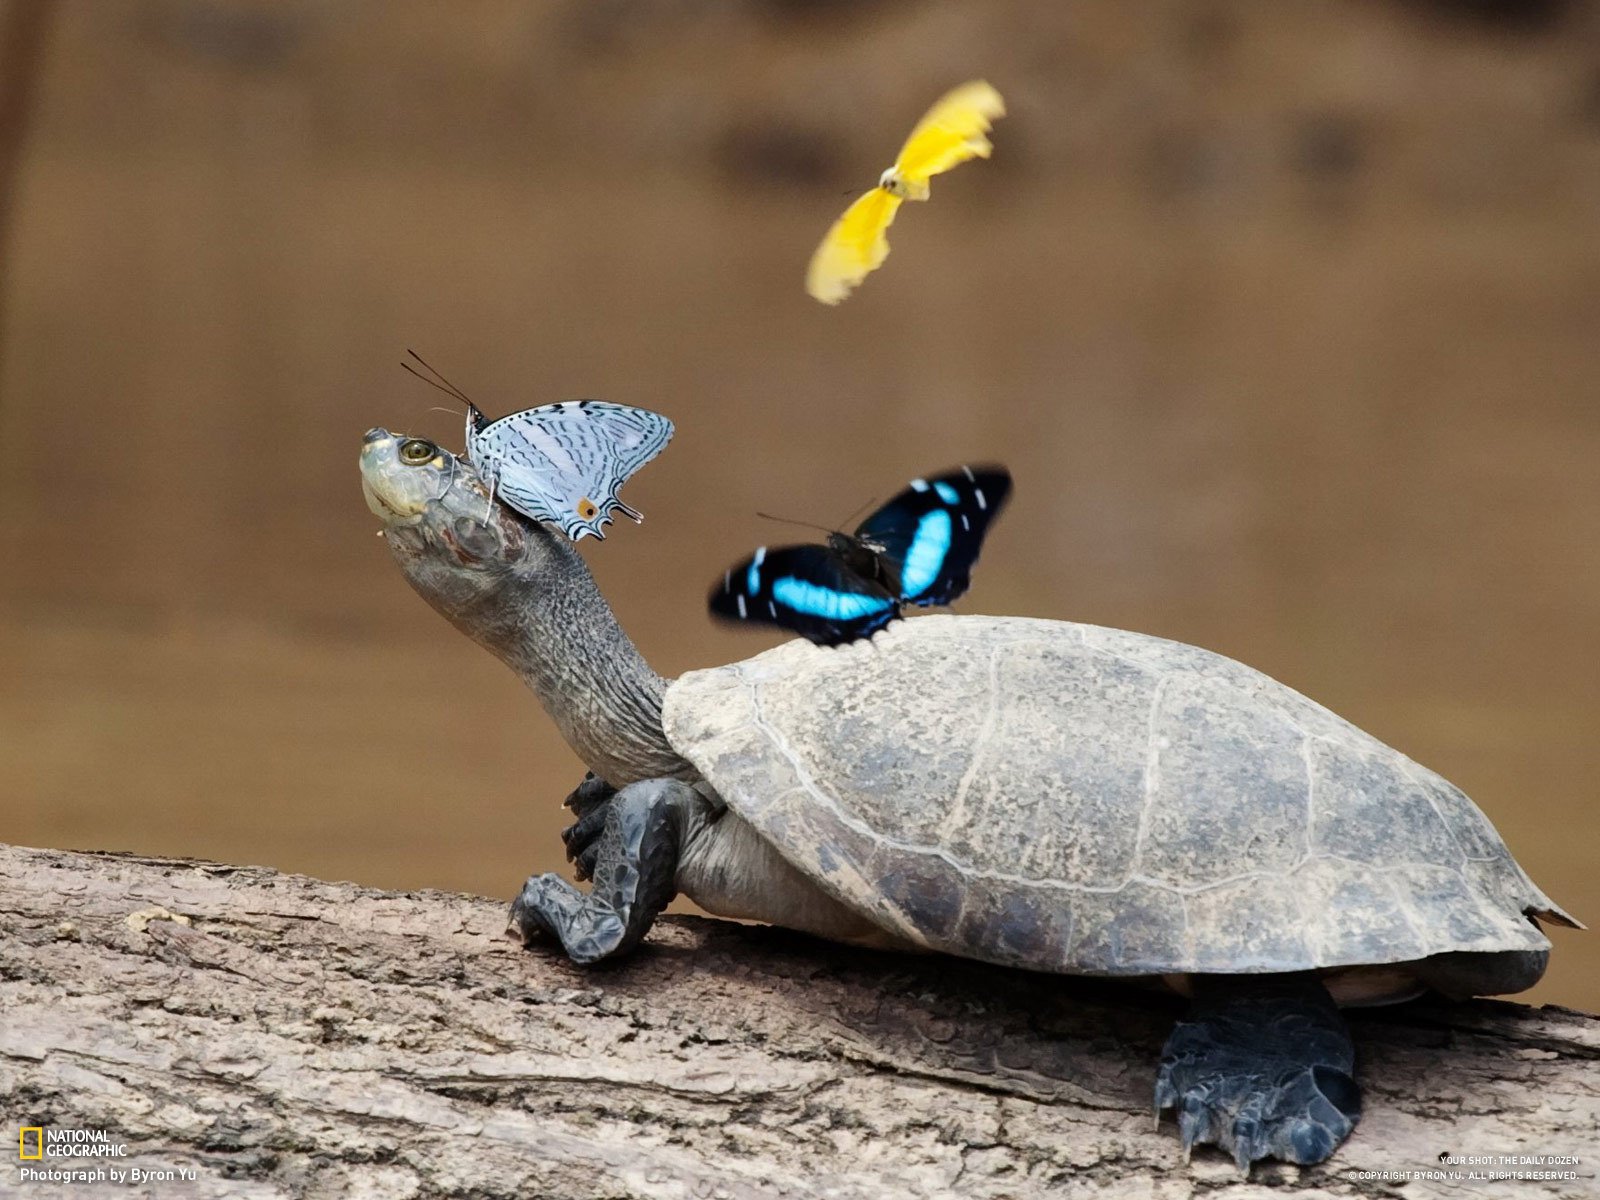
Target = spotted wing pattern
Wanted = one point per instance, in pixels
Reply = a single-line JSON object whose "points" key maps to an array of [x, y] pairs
{"points": [[565, 463]]}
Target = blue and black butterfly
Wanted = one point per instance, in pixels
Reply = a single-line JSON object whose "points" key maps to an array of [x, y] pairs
{"points": [[917, 549]]}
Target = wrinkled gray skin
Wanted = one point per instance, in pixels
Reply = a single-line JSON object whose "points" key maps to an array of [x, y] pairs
{"points": [[1045, 795]]}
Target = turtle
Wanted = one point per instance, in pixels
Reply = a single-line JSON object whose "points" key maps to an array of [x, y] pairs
{"points": [[1058, 797]]}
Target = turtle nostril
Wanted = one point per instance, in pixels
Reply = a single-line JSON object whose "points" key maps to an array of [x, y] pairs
{"points": [[374, 435]]}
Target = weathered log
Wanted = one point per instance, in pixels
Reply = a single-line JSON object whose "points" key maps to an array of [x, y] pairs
{"points": [[274, 1035]]}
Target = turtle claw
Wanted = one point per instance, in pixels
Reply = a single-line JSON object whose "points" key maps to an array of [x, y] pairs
{"points": [[589, 802], [1194, 1124], [583, 866], [582, 839], [588, 795], [1166, 1097], [1246, 1139], [1166, 1094]]}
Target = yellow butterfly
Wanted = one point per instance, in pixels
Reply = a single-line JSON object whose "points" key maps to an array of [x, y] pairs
{"points": [[951, 132]]}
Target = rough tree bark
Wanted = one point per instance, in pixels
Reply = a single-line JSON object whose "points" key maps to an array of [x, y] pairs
{"points": [[281, 1036]]}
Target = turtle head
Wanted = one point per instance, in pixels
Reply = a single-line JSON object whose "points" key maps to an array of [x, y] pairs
{"points": [[456, 546], [519, 589]]}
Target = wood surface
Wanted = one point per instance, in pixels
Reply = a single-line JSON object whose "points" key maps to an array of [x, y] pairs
{"points": [[280, 1036]]}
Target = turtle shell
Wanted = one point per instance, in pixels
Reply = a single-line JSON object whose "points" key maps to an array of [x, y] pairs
{"points": [[1084, 800]]}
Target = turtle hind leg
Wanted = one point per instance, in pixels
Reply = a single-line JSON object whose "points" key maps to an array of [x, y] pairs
{"points": [[633, 860], [1261, 1066]]}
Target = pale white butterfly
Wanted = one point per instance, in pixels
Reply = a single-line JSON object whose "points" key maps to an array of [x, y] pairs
{"points": [[563, 463]]}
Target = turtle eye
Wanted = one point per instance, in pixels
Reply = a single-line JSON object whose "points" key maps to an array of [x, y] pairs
{"points": [[414, 451], [586, 509]]}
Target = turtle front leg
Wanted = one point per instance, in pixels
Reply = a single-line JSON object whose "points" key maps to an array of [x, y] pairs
{"points": [[629, 848], [1261, 1066]]}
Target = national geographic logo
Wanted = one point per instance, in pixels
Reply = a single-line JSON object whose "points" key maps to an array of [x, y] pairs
{"points": [[35, 1143]]}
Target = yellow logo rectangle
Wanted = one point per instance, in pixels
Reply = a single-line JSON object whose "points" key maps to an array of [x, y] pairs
{"points": [[38, 1141]]}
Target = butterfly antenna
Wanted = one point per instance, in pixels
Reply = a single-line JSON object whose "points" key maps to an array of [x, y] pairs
{"points": [[435, 378], [433, 384], [858, 512], [802, 524]]}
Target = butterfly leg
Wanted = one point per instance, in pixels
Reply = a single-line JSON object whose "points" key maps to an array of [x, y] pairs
{"points": [[632, 860], [488, 509]]}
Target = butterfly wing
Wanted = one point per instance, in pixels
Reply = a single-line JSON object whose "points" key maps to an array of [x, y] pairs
{"points": [[636, 436], [950, 133], [931, 533], [564, 463], [518, 467], [853, 248], [806, 589]]}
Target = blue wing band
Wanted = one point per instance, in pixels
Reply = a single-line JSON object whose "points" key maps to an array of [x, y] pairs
{"points": [[926, 554], [824, 602], [806, 589], [930, 534]]}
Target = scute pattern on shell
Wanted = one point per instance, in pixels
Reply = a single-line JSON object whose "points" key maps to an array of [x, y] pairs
{"points": [[1071, 798]]}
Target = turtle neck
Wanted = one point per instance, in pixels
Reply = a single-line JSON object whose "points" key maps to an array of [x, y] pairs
{"points": [[537, 609]]}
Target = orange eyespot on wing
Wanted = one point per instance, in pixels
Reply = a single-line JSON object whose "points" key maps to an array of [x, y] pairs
{"points": [[586, 509]]}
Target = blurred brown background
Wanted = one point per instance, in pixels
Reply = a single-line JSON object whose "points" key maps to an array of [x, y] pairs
{"points": [[1283, 315]]}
